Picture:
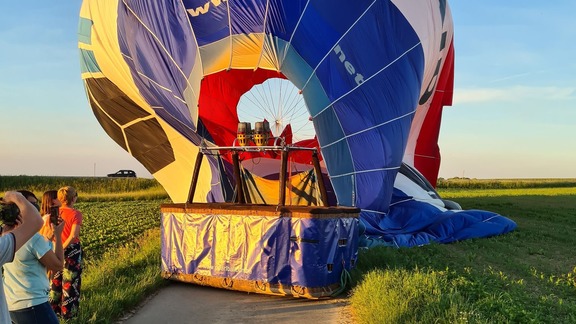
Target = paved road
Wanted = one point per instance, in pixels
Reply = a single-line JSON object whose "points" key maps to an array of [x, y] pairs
{"points": [[188, 303]]}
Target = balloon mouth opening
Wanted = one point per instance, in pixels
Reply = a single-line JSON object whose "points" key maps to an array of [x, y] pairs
{"points": [[233, 100], [279, 106]]}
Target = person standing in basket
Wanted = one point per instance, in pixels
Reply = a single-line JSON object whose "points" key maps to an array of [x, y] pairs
{"points": [[65, 289]]}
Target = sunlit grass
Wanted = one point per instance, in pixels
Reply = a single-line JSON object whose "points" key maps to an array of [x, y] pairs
{"points": [[467, 193], [120, 280], [149, 194], [466, 183], [415, 296], [526, 276]]}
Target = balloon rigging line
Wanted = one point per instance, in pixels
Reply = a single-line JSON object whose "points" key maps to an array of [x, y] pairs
{"points": [[283, 105], [267, 95], [162, 46], [161, 86], [263, 103], [297, 114], [194, 122], [373, 211], [370, 128], [295, 110], [404, 201], [256, 117], [425, 156], [271, 109], [291, 101], [369, 78], [313, 73], [249, 117], [266, 103], [294, 100], [280, 107], [263, 34], [293, 33], [230, 35], [262, 109], [295, 106], [287, 107], [363, 171], [194, 37]]}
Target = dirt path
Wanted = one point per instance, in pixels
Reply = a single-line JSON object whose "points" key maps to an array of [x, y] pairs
{"points": [[187, 303]]}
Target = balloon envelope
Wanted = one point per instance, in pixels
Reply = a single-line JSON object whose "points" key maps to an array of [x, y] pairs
{"points": [[164, 79]]}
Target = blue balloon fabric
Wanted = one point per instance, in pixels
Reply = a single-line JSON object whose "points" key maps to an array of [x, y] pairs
{"points": [[412, 222]]}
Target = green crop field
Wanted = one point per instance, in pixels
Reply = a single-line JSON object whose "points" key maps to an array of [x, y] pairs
{"points": [[112, 224], [527, 276], [89, 188]]}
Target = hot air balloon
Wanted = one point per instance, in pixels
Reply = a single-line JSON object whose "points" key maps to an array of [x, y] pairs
{"points": [[170, 82]]}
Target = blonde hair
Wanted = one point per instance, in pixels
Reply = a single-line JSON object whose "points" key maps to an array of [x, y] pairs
{"points": [[67, 194]]}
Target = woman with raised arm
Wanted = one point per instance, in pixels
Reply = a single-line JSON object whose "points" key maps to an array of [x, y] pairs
{"points": [[25, 282]]}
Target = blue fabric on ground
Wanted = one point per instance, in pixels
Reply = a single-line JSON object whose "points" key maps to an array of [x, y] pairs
{"points": [[413, 223]]}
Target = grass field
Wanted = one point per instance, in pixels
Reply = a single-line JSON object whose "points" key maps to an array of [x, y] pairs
{"points": [[527, 276]]}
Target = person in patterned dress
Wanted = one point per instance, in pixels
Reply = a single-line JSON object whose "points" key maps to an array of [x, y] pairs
{"points": [[65, 288]]}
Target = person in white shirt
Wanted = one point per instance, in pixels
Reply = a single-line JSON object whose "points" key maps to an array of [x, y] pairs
{"points": [[30, 223]]}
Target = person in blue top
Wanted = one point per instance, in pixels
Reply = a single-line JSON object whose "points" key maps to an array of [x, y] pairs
{"points": [[30, 224], [26, 283]]}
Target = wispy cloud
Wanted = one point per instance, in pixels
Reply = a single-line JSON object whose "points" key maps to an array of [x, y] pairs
{"points": [[518, 75], [512, 94]]}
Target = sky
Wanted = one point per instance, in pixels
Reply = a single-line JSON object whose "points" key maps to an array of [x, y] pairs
{"points": [[513, 113]]}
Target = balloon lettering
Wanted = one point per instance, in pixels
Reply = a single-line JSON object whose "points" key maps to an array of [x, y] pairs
{"points": [[434, 79], [204, 9], [359, 78]]}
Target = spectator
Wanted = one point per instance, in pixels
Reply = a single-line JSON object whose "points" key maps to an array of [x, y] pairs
{"points": [[31, 197], [65, 289], [29, 223], [49, 200], [25, 282]]}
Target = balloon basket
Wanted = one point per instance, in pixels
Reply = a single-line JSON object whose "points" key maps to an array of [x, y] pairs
{"points": [[293, 251]]}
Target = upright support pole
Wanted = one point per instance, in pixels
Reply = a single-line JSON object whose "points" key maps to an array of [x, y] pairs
{"points": [[283, 169], [320, 178], [238, 178], [197, 165]]}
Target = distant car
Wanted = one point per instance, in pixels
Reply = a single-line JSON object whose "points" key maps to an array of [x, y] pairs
{"points": [[123, 174]]}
